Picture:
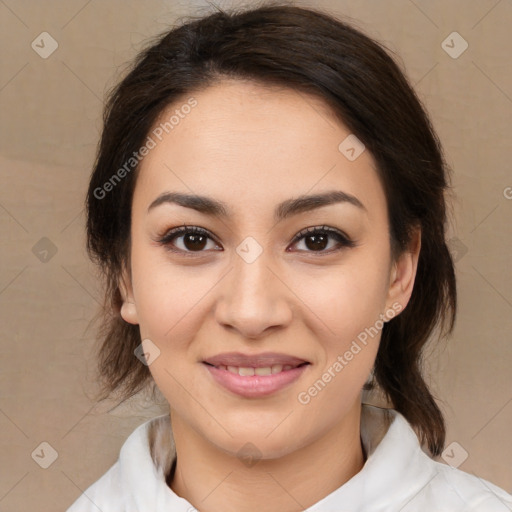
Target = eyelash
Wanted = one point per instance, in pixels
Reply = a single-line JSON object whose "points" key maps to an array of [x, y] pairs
{"points": [[170, 235]]}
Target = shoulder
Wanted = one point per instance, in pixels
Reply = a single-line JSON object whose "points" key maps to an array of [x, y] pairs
{"points": [[103, 494], [469, 491], [417, 483], [448, 489], [135, 477]]}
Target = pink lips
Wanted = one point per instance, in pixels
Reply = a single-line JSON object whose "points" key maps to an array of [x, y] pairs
{"points": [[253, 386]]}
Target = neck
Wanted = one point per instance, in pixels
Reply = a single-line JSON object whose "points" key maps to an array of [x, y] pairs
{"points": [[211, 479]]}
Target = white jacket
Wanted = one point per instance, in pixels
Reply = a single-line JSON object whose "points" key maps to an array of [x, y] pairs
{"points": [[397, 476]]}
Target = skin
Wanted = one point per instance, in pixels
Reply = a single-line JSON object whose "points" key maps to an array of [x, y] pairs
{"points": [[253, 147]]}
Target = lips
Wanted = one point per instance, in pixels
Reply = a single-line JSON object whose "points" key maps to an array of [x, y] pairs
{"points": [[255, 360], [255, 382]]}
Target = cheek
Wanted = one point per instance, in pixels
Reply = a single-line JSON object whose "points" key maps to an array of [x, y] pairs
{"points": [[165, 293], [171, 305], [168, 298], [346, 298], [346, 308], [347, 325]]}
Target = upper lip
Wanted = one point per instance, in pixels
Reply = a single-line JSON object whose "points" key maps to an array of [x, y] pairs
{"points": [[253, 360]]}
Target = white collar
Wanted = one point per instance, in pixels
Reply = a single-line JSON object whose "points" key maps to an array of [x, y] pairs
{"points": [[396, 466]]}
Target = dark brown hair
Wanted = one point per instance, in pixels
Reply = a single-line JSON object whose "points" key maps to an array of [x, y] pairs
{"points": [[311, 52]]}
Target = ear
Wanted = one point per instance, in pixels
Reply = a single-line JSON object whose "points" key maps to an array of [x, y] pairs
{"points": [[403, 273], [128, 307]]}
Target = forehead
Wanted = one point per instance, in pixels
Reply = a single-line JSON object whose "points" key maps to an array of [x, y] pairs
{"points": [[252, 146]]}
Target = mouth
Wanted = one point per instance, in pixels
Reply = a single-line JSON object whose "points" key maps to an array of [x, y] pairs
{"points": [[255, 375], [246, 365], [248, 371]]}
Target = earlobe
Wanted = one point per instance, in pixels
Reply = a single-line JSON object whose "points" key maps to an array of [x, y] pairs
{"points": [[403, 273], [128, 307], [129, 312]]}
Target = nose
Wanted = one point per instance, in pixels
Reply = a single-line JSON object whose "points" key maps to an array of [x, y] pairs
{"points": [[254, 299]]}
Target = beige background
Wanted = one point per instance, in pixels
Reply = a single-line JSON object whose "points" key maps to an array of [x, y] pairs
{"points": [[51, 118]]}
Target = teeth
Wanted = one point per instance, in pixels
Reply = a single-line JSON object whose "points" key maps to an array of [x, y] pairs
{"points": [[248, 371], [267, 370]]}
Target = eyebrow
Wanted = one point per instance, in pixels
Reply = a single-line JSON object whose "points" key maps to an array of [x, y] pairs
{"points": [[288, 208]]}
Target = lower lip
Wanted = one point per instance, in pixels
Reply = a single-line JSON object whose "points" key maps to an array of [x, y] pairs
{"points": [[255, 385]]}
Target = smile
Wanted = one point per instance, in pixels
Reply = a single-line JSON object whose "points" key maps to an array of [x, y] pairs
{"points": [[255, 382], [246, 371]]}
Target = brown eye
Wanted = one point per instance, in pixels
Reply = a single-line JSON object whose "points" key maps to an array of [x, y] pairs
{"points": [[316, 239], [194, 242], [193, 239]]}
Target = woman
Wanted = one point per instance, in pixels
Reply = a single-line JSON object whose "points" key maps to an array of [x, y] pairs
{"points": [[268, 208]]}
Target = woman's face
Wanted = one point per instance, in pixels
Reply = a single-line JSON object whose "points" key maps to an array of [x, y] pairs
{"points": [[249, 286]]}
